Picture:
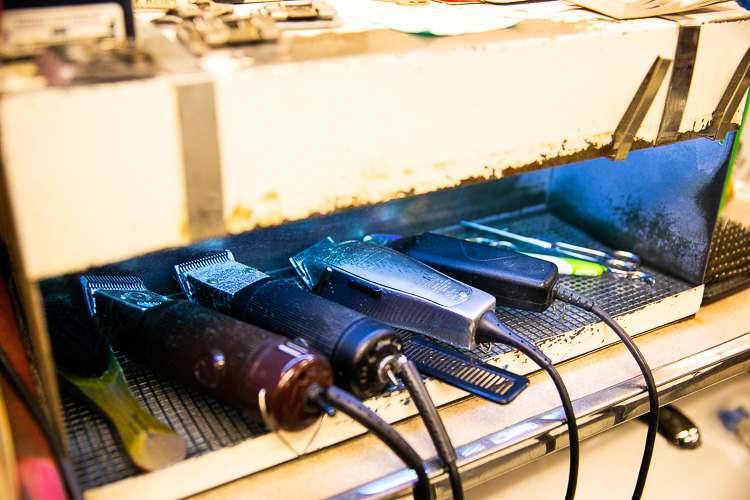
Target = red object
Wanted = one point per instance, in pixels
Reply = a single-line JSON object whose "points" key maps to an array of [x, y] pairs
{"points": [[38, 472]]}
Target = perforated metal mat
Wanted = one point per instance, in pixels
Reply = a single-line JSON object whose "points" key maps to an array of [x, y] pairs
{"points": [[729, 261], [99, 459]]}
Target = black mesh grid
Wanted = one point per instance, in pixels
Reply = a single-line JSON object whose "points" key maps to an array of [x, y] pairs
{"points": [[99, 458], [728, 269]]}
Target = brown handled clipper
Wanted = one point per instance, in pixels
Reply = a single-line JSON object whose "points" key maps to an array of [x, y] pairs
{"points": [[226, 359]]}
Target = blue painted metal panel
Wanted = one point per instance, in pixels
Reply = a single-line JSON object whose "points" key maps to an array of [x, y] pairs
{"points": [[661, 203]]}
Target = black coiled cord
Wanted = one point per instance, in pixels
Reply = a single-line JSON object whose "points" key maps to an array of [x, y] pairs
{"points": [[351, 406], [581, 302], [413, 381]]}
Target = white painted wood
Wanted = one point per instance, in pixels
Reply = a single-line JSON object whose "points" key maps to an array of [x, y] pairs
{"points": [[95, 174]]}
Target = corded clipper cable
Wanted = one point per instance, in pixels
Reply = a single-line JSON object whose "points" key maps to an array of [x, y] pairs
{"points": [[572, 298], [409, 374], [490, 329], [514, 280], [349, 405], [405, 293]]}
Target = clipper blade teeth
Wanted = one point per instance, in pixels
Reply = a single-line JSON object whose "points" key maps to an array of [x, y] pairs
{"points": [[114, 282], [298, 259], [208, 260], [91, 284]]}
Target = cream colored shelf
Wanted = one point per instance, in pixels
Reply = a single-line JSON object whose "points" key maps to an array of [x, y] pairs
{"points": [[329, 120]]}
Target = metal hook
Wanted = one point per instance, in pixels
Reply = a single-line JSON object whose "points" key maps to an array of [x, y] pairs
{"points": [[271, 424], [392, 376], [315, 432], [487, 349], [560, 315]]}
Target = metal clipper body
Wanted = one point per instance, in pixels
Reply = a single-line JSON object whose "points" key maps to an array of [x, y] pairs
{"points": [[360, 349], [395, 289], [243, 366]]}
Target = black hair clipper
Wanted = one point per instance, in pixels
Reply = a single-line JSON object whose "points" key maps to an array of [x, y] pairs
{"points": [[394, 288], [361, 349]]}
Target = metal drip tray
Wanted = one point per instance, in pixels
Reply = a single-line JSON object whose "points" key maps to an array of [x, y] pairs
{"points": [[207, 427]]}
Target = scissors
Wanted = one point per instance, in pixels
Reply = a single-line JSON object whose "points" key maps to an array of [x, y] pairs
{"points": [[619, 262]]}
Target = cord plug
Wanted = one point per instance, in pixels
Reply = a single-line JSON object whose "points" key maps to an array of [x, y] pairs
{"points": [[574, 299]]}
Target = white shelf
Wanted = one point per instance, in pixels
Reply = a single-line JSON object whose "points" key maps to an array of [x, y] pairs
{"points": [[330, 120]]}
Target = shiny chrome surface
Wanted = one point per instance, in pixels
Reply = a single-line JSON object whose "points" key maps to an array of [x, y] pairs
{"points": [[215, 279], [526, 441], [389, 286], [677, 428]]}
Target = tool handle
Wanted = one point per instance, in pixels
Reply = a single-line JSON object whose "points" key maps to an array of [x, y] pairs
{"points": [[287, 309], [514, 279], [571, 266], [37, 449], [149, 443], [677, 428], [231, 361], [356, 344]]}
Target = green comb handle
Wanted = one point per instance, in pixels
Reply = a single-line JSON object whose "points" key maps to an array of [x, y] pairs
{"points": [[575, 267], [148, 442]]}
